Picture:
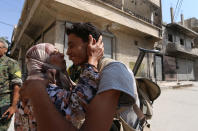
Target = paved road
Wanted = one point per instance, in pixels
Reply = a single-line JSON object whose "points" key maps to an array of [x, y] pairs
{"points": [[176, 110]]}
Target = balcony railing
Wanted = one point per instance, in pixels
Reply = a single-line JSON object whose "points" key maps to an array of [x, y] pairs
{"points": [[175, 48], [115, 3], [129, 7]]}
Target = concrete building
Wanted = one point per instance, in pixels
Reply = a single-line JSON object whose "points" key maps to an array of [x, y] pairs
{"points": [[192, 23], [180, 52], [126, 25]]}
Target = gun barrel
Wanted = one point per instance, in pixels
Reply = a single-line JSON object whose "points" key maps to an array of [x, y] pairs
{"points": [[141, 57]]}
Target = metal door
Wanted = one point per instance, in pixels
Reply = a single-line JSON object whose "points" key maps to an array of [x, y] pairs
{"points": [[182, 69], [190, 70], [158, 68], [185, 69], [169, 68]]}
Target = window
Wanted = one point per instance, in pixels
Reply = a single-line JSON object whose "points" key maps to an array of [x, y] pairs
{"points": [[170, 37], [68, 62], [181, 41], [136, 43], [108, 42], [192, 45]]}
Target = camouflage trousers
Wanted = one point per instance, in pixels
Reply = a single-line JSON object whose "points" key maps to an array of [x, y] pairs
{"points": [[5, 103], [5, 100], [4, 125]]}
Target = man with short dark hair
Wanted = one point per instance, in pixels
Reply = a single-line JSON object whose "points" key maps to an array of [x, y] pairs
{"points": [[115, 89], [114, 78], [10, 82], [83, 31]]}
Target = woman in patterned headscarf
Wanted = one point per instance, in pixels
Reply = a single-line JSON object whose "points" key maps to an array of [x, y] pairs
{"points": [[45, 61]]}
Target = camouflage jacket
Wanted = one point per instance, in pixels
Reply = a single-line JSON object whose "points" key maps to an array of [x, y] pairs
{"points": [[10, 74]]}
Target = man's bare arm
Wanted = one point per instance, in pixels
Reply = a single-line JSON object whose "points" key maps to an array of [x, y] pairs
{"points": [[12, 109], [101, 110], [15, 95]]}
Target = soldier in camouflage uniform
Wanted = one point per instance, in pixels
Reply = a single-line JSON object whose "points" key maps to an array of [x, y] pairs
{"points": [[10, 82]]}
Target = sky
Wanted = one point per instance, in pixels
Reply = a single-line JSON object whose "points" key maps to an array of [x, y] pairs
{"points": [[189, 8], [10, 12]]}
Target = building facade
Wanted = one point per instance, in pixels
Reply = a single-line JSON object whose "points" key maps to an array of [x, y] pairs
{"points": [[192, 23], [180, 53], [125, 24]]}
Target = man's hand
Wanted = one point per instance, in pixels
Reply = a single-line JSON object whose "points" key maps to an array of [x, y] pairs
{"points": [[29, 86], [10, 111], [95, 50]]}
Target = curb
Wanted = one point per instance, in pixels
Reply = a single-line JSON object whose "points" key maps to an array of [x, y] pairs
{"points": [[175, 86], [180, 86]]}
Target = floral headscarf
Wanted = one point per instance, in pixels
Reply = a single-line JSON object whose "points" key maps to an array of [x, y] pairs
{"points": [[37, 61]]}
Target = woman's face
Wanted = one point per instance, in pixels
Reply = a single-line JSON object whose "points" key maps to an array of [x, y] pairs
{"points": [[57, 59]]}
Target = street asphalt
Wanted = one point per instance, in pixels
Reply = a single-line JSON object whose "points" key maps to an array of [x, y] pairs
{"points": [[176, 109]]}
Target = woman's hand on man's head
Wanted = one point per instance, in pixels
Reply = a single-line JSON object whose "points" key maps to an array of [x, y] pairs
{"points": [[95, 50]]}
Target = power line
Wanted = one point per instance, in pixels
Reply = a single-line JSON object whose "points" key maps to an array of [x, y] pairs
{"points": [[176, 8], [180, 5], [4, 23]]}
